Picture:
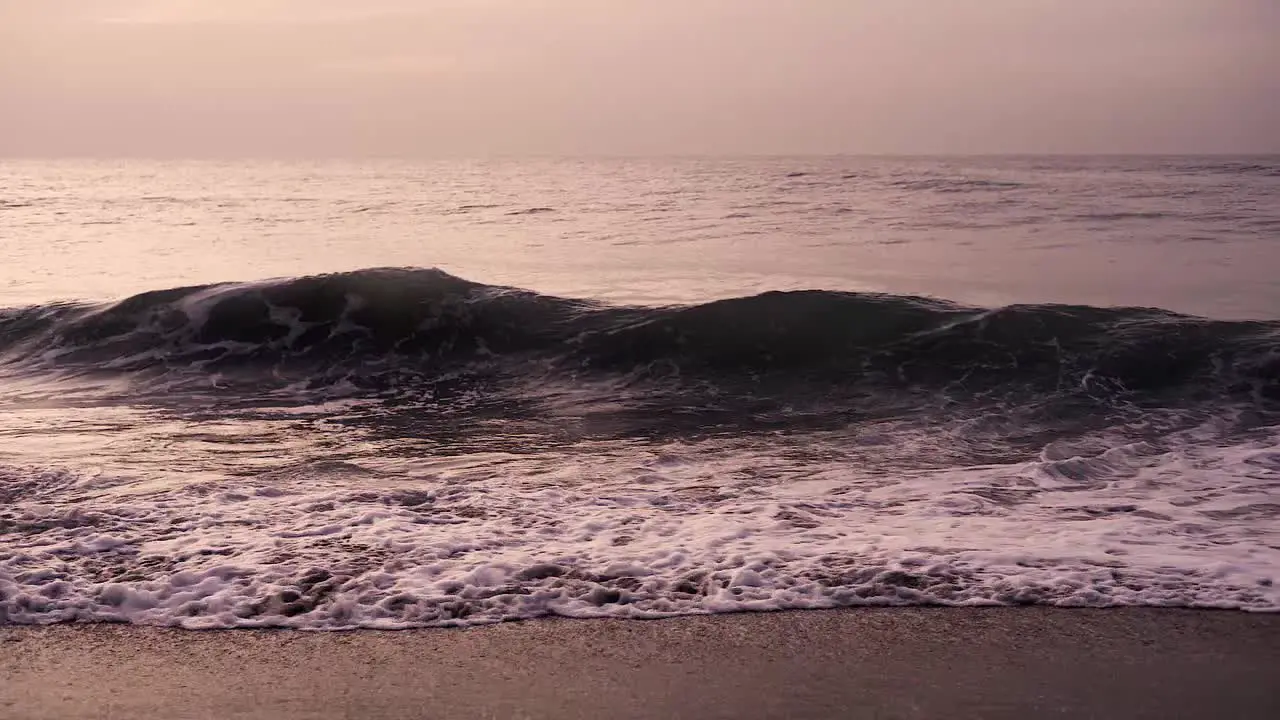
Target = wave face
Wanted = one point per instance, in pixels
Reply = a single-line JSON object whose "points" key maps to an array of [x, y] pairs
{"points": [[401, 448], [387, 329], [769, 361]]}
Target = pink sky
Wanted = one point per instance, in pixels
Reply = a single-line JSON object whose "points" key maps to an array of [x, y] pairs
{"points": [[430, 78]]}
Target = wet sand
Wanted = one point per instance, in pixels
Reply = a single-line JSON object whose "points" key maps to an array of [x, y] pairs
{"points": [[882, 663]]}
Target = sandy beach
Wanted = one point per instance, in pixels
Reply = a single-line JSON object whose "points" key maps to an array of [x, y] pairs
{"points": [[890, 663]]}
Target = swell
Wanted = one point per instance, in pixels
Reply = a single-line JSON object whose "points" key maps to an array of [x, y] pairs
{"points": [[369, 326], [955, 185]]}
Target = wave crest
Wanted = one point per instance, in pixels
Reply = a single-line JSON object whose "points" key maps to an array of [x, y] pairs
{"points": [[426, 323]]}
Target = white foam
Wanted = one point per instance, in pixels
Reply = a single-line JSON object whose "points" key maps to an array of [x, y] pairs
{"points": [[641, 532]]}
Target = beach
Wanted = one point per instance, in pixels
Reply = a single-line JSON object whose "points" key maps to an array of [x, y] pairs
{"points": [[872, 663], [722, 359]]}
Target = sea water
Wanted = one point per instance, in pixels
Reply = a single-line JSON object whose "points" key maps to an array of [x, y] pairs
{"points": [[392, 394]]}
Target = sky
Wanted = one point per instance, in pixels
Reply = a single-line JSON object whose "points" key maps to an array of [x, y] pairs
{"points": [[450, 78]]}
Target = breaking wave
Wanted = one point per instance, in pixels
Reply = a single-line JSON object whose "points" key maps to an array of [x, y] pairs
{"points": [[378, 328], [499, 454], [389, 329]]}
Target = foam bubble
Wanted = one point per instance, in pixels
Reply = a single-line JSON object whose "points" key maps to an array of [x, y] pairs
{"points": [[642, 532]]}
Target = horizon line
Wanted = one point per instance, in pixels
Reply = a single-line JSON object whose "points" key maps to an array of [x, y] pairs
{"points": [[614, 156]]}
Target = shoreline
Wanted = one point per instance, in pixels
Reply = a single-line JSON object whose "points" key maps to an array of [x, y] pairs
{"points": [[862, 662]]}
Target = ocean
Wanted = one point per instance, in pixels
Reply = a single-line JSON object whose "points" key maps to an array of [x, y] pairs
{"points": [[394, 394]]}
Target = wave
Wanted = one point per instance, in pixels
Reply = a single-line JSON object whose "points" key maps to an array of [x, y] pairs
{"points": [[372, 328], [1118, 216], [813, 449], [956, 185], [463, 209], [1233, 167]]}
